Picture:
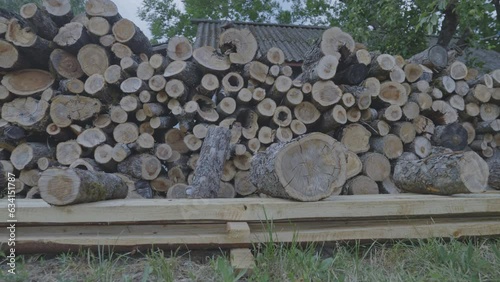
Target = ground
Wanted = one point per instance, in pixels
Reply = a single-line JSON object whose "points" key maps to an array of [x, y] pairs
{"points": [[432, 260]]}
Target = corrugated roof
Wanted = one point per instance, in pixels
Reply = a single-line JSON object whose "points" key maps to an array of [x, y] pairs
{"points": [[294, 40]]}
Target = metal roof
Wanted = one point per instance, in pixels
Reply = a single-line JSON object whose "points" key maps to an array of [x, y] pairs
{"points": [[294, 40]]}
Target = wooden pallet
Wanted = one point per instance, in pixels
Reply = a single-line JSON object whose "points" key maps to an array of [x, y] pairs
{"points": [[237, 223]]}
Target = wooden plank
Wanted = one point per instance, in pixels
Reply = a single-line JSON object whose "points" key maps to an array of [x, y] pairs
{"points": [[238, 229], [242, 259], [252, 209], [216, 235]]}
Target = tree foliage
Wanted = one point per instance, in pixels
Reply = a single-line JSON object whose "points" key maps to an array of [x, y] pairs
{"points": [[395, 26]]}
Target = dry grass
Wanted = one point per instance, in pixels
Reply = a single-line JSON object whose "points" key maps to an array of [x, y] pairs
{"points": [[432, 260]]}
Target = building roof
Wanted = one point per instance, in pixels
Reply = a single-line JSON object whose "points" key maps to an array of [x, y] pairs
{"points": [[294, 40]]}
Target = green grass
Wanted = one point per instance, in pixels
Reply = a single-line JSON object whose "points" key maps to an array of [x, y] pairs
{"points": [[417, 260]]}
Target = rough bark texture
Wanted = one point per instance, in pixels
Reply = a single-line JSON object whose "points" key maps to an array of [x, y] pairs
{"points": [[208, 173], [72, 186], [443, 174]]}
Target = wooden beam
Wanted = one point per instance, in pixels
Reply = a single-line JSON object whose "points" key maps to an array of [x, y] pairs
{"points": [[37, 212], [242, 260]]}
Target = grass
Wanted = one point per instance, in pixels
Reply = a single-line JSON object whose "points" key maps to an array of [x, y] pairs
{"points": [[420, 260]]}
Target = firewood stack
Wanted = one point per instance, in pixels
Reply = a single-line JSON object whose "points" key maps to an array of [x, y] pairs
{"points": [[86, 93]]}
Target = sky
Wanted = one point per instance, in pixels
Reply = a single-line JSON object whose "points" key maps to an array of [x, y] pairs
{"points": [[128, 10]]}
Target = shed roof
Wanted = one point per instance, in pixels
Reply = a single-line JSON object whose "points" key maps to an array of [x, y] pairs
{"points": [[294, 40]]}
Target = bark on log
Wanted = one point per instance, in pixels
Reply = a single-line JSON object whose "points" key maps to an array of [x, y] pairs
{"points": [[40, 20], [318, 159], [143, 166], [208, 173], [11, 58], [59, 10], [443, 174], [494, 169], [128, 33], [72, 186], [436, 58], [26, 155], [452, 136]]}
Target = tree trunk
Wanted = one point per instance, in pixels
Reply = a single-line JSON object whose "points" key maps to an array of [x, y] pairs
{"points": [[435, 58], [208, 173], [443, 174], [318, 161], [72, 186], [449, 25]]}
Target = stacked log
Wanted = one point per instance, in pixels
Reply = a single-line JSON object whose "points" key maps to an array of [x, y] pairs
{"points": [[88, 93]]}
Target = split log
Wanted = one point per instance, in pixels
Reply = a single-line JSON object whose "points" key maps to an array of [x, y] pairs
{"points": [[59, 10], [361, 185], [142, 166], [240, 44], [27, 81], [71, 186], [443, 174], [93, 59], [208, 173], [65, 64], [319, 159], [26, 155]]}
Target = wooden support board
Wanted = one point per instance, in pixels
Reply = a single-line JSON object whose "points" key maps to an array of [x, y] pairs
{"points": [[240, 223]]}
